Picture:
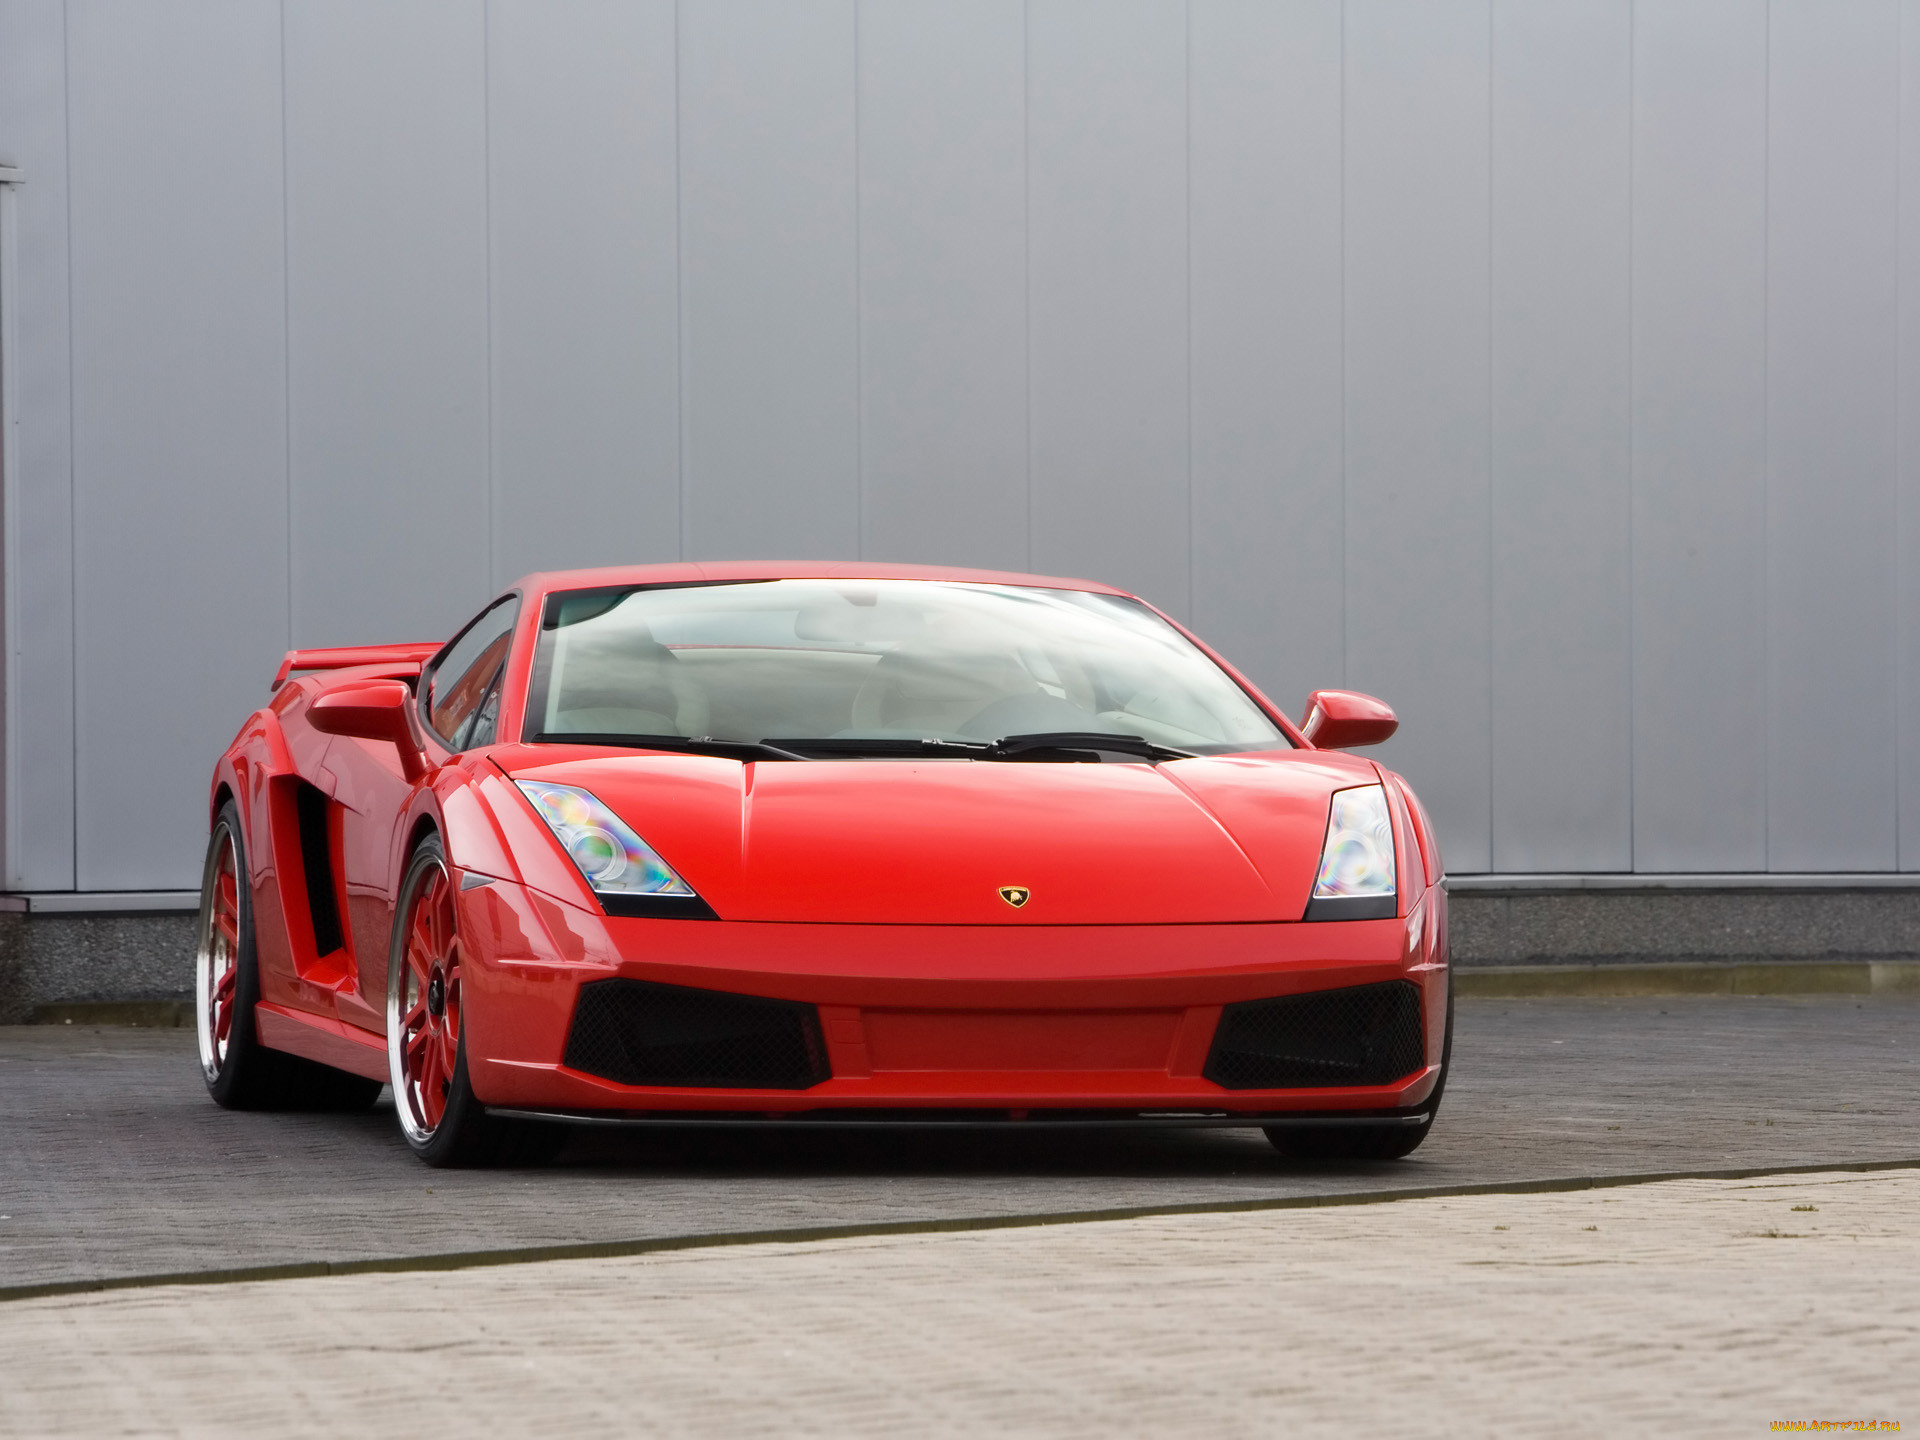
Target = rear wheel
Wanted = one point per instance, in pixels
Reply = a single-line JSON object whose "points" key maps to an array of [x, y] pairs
{"points": [[241, 1073], [443, 1122], [1367, 1142]]}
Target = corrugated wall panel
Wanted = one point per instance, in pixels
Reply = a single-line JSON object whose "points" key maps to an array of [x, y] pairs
{"points": [[33, 136], [1545, 368], [584, 283], [180, 577], [1417, 83], [769, 338], [387, 317], [1832, 433], [1107, 187], [1561, 653], [1269, 582], [1699, 436], [943, 297]]}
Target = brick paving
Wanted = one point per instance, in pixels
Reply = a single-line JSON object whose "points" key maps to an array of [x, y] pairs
{"points": [[113, 1161], [1702, 1308]]}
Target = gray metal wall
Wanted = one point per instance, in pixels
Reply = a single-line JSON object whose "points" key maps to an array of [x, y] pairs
{"points": [[1549, 370]]}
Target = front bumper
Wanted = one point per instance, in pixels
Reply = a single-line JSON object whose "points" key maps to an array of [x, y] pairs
{"points": [[973, 1023]]}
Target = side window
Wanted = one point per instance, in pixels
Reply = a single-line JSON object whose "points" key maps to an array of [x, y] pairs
{"points": [[461, 694]]}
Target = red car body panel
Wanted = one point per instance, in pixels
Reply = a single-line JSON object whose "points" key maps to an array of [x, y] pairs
{"points": [[868, 889], [896, 842]]}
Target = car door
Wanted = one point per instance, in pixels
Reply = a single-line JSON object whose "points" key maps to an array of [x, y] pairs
{"points": [[458, 696]]}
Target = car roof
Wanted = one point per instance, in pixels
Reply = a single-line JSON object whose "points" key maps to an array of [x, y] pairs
{"points": [[690, 572]]}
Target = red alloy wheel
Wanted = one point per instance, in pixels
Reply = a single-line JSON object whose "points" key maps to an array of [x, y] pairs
{"points": [[217, 966], [425, 1000]]}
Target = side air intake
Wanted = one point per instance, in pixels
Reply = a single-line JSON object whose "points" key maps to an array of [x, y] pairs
{"points": [[1363, 1035], [636, 1033], [316, 861]]}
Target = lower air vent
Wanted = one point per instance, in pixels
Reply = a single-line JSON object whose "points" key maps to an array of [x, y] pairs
{"points": [[1365, 1035], [635, 1033]]}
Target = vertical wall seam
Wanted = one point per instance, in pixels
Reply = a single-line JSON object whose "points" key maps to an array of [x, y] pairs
{"points": [[1900, 620], [1346, 660], [1766, 444], [859, 318], [1492, 756], [286, 316], [1188, 178], [486, 223], [11, 849], [73, 452], [1633, 587], [1026, 225], [679, 294]]}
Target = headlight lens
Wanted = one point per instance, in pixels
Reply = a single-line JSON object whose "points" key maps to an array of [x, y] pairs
{"points": [[1356, 863], [614, 859]]}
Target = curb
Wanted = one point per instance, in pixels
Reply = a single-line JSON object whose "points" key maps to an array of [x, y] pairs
{"points": [[813, 1234], [1790, 977], [143, 1014]]}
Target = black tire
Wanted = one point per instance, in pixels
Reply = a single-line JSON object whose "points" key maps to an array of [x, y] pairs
{"points": [[457, 1132], [1368, 1142], [240, 1072]]}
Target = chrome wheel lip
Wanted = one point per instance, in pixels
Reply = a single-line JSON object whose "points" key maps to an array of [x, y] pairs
{"points": [[404, 1104], [213, 1047]]}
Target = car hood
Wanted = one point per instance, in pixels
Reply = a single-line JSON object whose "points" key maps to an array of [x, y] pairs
{"points": [[1234, 838]]}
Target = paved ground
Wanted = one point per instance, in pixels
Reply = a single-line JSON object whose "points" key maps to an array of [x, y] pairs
{"points": [[1699, 1308], [114, 1163]]}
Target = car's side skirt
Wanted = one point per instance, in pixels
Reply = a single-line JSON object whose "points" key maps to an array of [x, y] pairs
{"points": [[314, 1037]]}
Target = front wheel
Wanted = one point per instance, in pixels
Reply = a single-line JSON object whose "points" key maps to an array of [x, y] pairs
{"points": [[444, 1124]]}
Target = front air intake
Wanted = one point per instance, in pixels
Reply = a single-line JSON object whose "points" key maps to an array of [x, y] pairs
{"points": [[636, 1033], [1364, 1035]]}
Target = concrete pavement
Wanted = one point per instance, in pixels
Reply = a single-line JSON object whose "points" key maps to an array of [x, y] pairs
{"points": [[1703, 1308]]}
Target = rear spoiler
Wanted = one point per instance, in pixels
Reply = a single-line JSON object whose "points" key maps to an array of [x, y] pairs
{"points": [[401, 659]]}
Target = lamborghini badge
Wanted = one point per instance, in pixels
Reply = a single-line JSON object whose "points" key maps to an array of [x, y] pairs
{"points": [[1015, 895]]}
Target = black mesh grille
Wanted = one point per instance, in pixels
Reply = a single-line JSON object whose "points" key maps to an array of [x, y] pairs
{"points": [[640, 1034], [1365, 1035]]}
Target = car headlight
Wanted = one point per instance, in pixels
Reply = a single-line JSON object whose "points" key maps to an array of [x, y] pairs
{"points": [[614, 859], [1356, 876]]}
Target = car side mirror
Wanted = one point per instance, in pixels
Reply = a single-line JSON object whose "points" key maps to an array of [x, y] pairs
{"points": [[1342, 719], [373, 710]]}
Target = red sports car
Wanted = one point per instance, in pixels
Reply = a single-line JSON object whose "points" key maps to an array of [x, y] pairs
{"points": [[818, 844]]}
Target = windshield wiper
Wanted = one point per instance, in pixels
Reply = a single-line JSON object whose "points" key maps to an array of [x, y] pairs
{"points": [[683, 744], [879, 747], [1065, 744], [1014, 747]]}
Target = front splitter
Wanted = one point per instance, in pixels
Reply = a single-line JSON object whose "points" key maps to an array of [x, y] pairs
{"points": [[933, 1119]]}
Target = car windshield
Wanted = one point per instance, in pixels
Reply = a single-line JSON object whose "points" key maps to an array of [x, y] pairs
{"points": [[872, 666]]}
